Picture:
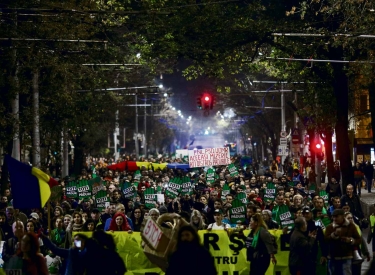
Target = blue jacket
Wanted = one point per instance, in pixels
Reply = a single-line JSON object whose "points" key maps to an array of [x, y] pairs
{"points": [[108, 223]]}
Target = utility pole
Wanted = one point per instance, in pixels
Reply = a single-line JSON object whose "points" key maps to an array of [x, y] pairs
{"points": [[116, 133], [136, 126], [65, 154], [145, 130], [36, 133]]}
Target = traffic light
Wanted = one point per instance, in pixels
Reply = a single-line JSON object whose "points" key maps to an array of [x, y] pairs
{"points": [[318, 149], [207, 101], [199, 102]]}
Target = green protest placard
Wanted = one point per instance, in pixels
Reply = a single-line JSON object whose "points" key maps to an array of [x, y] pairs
{"points": [[312, 188], [56, 193], [187, 186], [210, 175], [128, 190], [84, 189], [323, 194], [71, 190], [225, 191], [174, 188], [233, 171], [242, 197], [237, 212], [159, 190], [286, 218], [102, 200], [96, 185], [137, 175], [270, 192], [150, 198]]}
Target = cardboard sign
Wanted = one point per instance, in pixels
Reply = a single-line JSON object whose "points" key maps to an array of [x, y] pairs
{"points": [[154, 236], [270, 192], [225, 191], [102, 200], [96, 185], [233, 170], [84, 189], [128, 190], [71, 190], [323, 194], [137, 175], [187, 186], [237, 212], [173, 188], [150, 198], [209, 157], [210, 176]]}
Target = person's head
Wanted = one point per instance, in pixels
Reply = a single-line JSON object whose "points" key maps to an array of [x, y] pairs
{"points": [[154, 214], [89, 225], [338, 216], [187, 235], [9, 212], [67, 219], [95, 214], [280, 200], [116, 194], [104, 239], [319, 203], [297, 200], [306, 213], [267, 214], [336, 202], [196, 217], [218, 215], [218, 204], [349, 217], [119, 220], [111, 188], [18, 229], [257, 222], [112, 209], [203, 200], [300, 224], [214, 194], [30, 244], [298, 213], [4, 199], [130, 204], [30, 226], [349, 190], [333, 180], [59, 223], [84, 216], [120, 208], [2, 217], [77, 218], [346, 208], [229, 198], [58, 211], [250, 210]]}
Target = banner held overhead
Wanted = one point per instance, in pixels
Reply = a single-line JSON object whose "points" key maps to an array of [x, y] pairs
{"points": [[209, 157]]}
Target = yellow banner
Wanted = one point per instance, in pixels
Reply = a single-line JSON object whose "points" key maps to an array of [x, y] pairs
{"points": [[229, 253]]}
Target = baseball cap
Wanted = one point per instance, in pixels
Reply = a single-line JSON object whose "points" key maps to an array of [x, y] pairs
{"points": [[95, 210], [338, 212], [34, 216], [306, 209], [218, 212]]}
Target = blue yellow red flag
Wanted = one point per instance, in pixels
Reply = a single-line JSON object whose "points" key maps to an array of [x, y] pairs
{"points": [[31, 187]]}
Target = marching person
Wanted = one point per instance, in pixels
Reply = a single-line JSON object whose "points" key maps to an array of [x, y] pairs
{"points": [[190, 256], [259, 243], [341, 236]]}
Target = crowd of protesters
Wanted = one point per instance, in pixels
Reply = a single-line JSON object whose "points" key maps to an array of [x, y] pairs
{"points": [[338, 242]]}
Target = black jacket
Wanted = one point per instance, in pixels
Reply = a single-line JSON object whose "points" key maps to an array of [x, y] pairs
{"points": [[191, 259], [354, 204], [301, 247]]}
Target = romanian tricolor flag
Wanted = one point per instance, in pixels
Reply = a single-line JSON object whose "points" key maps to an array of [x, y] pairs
{"points": [[31, 187]]}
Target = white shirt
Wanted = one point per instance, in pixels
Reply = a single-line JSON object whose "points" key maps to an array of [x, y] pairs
{"points": [[214, 226]]}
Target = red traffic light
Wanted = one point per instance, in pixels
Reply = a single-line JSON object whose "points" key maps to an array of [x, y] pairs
{"points": [[206, 98]]}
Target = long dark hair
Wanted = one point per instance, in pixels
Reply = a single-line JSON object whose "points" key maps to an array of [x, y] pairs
{"points": [[192, 230], [132, 216], [34, 246]]}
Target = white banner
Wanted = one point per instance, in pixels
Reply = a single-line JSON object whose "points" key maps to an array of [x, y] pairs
{"points": [[209, 157]]}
